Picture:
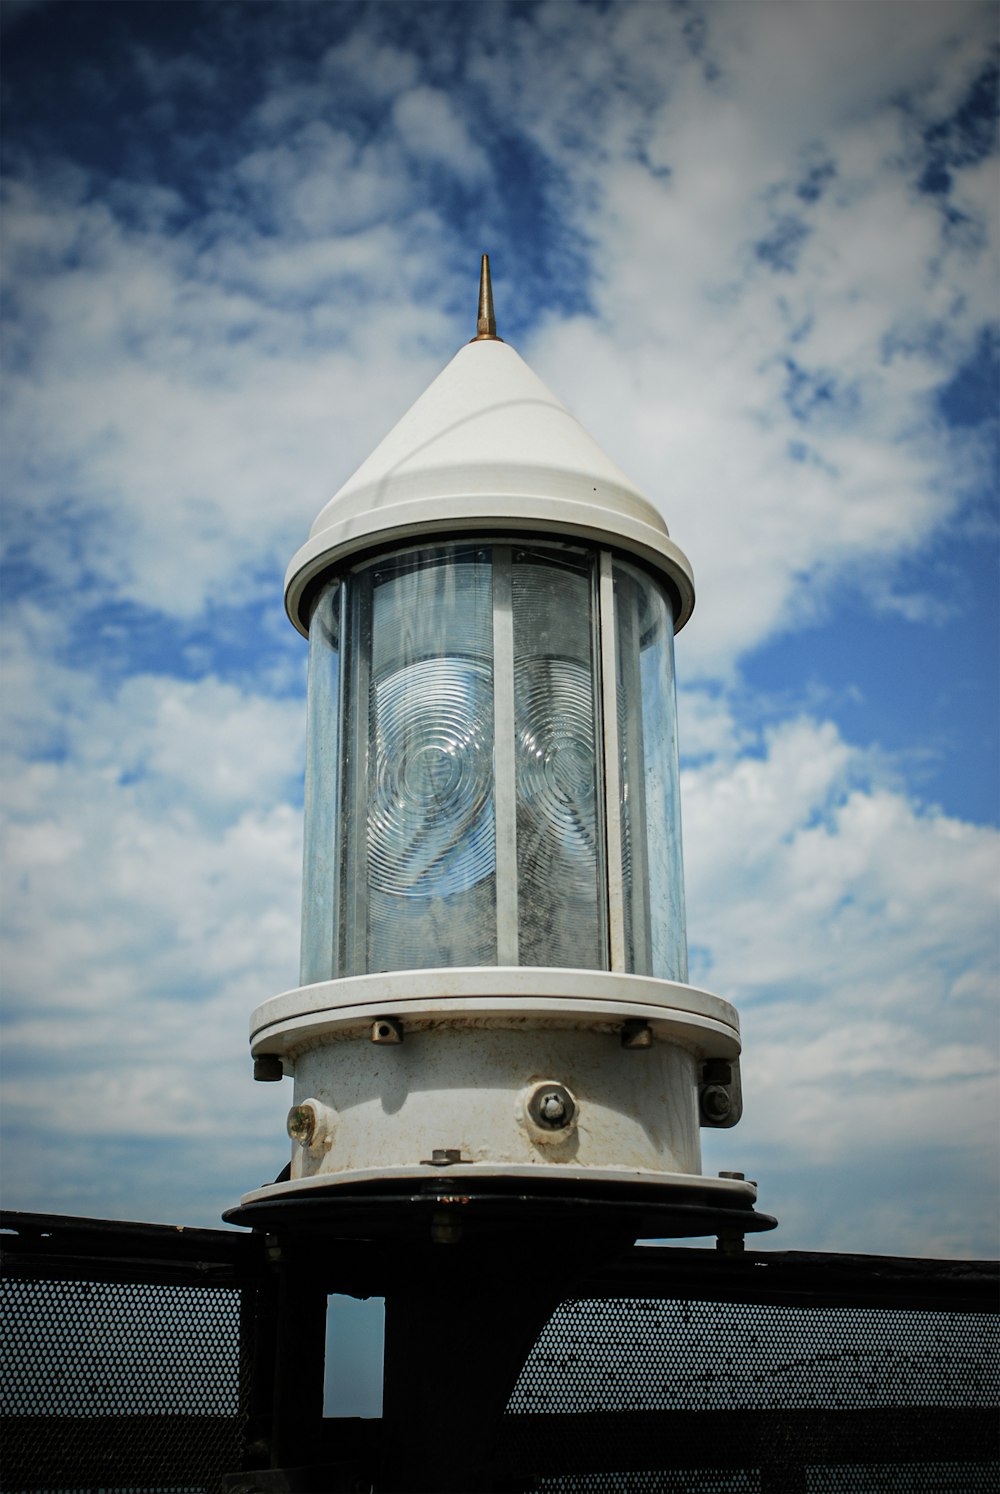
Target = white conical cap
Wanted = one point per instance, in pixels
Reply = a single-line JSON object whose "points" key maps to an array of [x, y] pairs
{"points": [[487, 448]]}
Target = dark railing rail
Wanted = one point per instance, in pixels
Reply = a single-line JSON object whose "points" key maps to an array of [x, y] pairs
{"points": [[800, 1278], [145, 1357]]}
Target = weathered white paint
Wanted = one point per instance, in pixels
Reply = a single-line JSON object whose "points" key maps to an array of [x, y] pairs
{"points": [[722, 1190], [483, 993], [487, 445], [488, 449], [466, 1090], [476, 1041]]}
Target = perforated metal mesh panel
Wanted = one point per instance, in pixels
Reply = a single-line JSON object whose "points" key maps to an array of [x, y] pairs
{"points": [[145, 1359], [662, 1481], [637, 1395], [119, 1385]]}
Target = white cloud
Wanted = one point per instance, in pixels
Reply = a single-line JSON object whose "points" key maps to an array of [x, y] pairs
{"points": [[383, 70], [150, 901], [431, 130], [692, 391], [768, 304], [215, 378], [210, 425], [840, 63], [879, 885], [165, 75], [858, 936], [707, 726], [320, 181]]}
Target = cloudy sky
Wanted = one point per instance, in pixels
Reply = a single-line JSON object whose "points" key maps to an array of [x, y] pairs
{"points": [[754, 248]]}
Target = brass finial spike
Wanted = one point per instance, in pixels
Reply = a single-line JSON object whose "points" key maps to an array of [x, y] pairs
{"points": [[486, 324]]}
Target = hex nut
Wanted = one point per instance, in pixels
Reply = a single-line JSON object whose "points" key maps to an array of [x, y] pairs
{"points": [[268, 1068], [551, 1107], [716, 1103]]}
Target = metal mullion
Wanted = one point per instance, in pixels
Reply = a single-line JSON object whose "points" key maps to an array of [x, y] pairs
{"points": [[338, 848], [504, 779], [612, 771]]}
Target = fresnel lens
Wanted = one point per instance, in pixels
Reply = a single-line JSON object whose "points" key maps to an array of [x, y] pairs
{"points": [[494, 968]]}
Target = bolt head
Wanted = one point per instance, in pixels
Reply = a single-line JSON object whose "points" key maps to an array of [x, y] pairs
{"points": [[552, 1107], [716, 1103]]}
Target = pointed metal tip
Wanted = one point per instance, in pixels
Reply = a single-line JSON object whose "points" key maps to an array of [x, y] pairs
{"points": [[486, 323]]}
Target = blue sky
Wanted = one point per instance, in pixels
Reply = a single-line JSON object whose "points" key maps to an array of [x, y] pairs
{"points": [[754, 249]]}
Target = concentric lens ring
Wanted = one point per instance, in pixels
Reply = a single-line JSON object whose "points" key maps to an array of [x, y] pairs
{"points": [[430, 822], [555, 770]]}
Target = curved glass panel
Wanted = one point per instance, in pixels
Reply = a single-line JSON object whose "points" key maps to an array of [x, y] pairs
{"points": [[420, 871], [652, 868], [455, 779], [320, 861], [560, 864], [430, 823]]}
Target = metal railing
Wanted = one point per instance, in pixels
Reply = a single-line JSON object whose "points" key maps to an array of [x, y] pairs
{"points": [[147, 1358]]}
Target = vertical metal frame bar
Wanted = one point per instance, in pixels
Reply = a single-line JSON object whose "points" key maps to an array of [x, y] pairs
{"points": [[320, 851], [340, 768], [504, 777], [608, 654]]}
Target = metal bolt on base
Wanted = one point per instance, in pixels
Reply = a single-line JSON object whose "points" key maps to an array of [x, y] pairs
{"points": [[716, 1103], [552, 1107]]}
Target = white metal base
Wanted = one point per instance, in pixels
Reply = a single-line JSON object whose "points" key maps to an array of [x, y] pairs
{"points": [[287, 1024], [724, 1190], [484, 1054], [468, 1092]]}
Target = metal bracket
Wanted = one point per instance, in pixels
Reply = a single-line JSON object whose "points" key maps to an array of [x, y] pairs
{"points": [[720, 1093], [387, 1030]]}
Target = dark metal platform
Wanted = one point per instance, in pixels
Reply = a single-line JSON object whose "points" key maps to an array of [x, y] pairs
{"points": [[479, 1210], [145, 1357]]}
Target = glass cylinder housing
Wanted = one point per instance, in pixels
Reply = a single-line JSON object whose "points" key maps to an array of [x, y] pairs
{"points": [[491, 771]]}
